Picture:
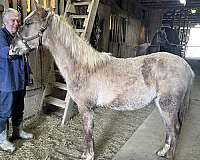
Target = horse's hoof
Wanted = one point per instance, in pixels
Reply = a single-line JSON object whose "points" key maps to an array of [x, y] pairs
{"points": [[87, 156], [163, 152], [166, 152]]}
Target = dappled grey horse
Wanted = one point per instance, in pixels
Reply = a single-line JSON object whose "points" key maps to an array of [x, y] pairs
{"points": [[97, 79]]}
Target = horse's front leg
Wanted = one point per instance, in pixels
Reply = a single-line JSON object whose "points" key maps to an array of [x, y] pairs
{"points": [[88, 131]]}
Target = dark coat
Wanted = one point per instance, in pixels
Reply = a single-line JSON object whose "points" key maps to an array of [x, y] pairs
{"points": [[12, 71]]}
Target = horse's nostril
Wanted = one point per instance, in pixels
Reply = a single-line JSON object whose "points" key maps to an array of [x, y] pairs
{"points": [[13, 50]]}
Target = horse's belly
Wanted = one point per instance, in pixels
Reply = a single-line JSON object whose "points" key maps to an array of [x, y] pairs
{"points": [[132, 100], [130, 106]]}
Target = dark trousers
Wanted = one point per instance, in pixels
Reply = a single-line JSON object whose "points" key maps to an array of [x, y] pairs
{"points": [[11, 105]]}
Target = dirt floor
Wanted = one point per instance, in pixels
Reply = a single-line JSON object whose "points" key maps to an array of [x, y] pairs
{"points": [[53, 142]]}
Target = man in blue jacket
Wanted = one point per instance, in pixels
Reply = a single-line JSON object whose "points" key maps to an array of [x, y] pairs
{"points": [[13, 77]]}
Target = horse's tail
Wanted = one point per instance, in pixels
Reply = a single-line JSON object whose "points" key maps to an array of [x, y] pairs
{"points": [[183, 110], [188, 93]]}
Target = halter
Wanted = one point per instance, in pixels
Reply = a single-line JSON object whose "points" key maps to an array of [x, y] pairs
{"points": [[38, 35]]}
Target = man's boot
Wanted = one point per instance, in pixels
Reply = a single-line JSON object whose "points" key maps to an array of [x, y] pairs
{"points": [[19, 133], [5, 145]]}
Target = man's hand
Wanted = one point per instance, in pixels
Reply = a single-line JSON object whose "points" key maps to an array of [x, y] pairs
{"points": [[11, 55]]}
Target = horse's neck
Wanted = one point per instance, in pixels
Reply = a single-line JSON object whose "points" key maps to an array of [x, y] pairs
{"points": [[64, 63], [60, 52], [70, 51]]}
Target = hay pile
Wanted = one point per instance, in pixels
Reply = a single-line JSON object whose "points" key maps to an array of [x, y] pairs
{"points": [[53, 142]]}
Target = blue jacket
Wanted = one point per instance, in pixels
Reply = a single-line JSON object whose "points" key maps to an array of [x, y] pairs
{"points": [[12, 72]]}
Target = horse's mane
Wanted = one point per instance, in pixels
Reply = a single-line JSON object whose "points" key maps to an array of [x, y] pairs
{"points": [[80, 50]]}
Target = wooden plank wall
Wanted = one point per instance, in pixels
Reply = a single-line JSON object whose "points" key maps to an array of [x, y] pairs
{"points": [[1, 11], [118, 45], [25, 3]]}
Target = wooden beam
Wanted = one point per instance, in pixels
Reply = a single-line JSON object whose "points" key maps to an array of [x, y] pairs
{"points": [[24, 11], [45, 3], [91, 17], [32, 5], [14, 4], [53, 3], [56, 7], [1, 7], [6, 4], [62, 7], [41, 2]]}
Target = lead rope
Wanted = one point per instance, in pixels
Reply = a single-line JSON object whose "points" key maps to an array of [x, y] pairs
{"points": [[40, 49]]}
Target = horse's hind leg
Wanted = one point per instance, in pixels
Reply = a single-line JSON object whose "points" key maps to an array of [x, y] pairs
{"points": [[168, 107], [185, 106]]}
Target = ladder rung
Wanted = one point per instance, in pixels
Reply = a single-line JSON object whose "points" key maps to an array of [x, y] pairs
{"points": [[79, 30], [60, 85], [55, 101], [78, 16], [81, 3]]}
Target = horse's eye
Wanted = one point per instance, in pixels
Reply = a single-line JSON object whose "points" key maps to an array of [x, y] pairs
{"points": [[44, 14], [27, 23], [20, 28]]}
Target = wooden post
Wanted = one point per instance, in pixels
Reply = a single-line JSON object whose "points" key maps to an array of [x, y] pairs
{"points": [[6, 4], [41, 2], [91, 17], [62, 7], [24, 11], [56, 7], [1, 10], [14, 4], [32, 5], [53, 4], [45, 3]]}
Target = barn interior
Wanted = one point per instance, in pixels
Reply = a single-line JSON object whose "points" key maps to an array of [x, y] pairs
{"points": [[122, 28]]}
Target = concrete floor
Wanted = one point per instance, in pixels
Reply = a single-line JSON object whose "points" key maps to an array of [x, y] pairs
{"points": [[150, 135]]}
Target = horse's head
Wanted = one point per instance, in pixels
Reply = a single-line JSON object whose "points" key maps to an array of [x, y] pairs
{"points": [[27, 37]]}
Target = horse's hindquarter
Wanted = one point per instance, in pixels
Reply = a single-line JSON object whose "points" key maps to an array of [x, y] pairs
{"points": [[173, 74]]}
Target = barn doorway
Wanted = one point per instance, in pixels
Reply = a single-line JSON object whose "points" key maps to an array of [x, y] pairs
{"points": [[193, 46]]}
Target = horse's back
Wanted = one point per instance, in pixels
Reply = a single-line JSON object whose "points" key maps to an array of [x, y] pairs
{"points": [[172, 72]]}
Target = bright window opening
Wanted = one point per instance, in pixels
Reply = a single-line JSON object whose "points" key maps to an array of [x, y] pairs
{"points": [[193, 46]]}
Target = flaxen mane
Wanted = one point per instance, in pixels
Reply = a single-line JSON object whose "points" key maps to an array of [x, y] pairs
{"points": [[80, 49]]}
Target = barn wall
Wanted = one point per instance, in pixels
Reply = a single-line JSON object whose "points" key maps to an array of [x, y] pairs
{"points": [[133, 32], [153, 21], [104, 12], [1, 10], [134, 22]]}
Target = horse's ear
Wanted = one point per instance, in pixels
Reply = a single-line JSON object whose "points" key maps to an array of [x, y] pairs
{"points": [[36, 6], [51, 10]]}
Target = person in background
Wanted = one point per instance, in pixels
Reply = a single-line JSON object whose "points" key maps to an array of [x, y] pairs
{"points": [[174, 44], [14, 75]]}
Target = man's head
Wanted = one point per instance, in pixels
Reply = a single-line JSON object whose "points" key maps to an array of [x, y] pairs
{"points": [[11, 20]]}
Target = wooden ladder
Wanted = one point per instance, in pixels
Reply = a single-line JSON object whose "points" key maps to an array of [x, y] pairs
{"points": [[81, 15]]}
